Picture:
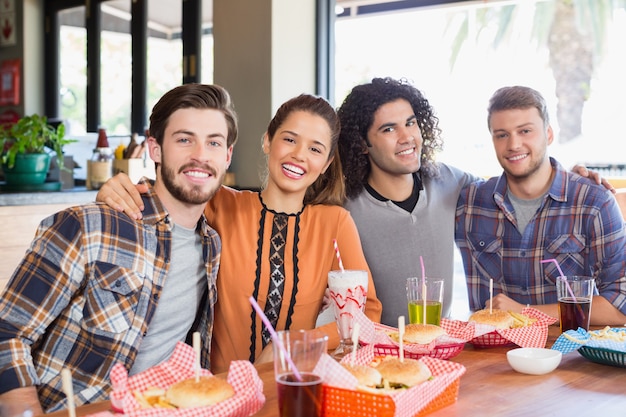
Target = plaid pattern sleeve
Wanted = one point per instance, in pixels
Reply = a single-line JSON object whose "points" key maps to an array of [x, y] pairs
{"points": [[578, 224], [83, 296]]}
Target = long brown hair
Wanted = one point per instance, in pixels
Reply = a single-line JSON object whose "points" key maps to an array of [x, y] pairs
{"points": [[328, 188]]}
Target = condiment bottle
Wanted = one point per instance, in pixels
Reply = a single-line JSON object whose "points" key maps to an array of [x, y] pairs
{"points": [[120, 151], [101, 164]]}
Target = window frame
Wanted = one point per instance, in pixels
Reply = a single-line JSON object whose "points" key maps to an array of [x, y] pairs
{"points": [[191, 37]]}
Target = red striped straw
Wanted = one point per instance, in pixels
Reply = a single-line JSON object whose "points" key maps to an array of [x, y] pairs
{"points": [[338, 255]]}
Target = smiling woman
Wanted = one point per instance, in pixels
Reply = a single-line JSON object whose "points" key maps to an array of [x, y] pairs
{"points": [[265, 235]]}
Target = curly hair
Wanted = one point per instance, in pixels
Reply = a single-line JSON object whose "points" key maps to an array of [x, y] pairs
{"points": [[357, 115]]}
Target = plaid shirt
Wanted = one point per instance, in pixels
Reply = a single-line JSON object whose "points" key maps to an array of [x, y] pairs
{"points": [[83, 297], [578, 223]]}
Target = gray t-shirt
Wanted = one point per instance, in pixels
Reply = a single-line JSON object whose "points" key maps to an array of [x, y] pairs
{"points": [[524, 210], [179, 302], [393, 239]]}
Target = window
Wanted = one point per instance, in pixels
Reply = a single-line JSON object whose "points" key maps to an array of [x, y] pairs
{"points": [[73, 70], [110, 99], [115, 71], [114, 82], [419, 44]]}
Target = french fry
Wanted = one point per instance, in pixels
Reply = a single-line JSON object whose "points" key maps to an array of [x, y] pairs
{"points": [[152, 397], [573, 339], [608, 334], [143, 401], [521, 320], [161, 403]]}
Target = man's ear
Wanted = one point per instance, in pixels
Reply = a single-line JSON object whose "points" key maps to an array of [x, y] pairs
{"points": [[229, 156], [550, 134], [155, 150]]}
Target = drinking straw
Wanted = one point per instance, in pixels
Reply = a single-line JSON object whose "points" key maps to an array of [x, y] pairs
{"points": [[275, 337], [423, 289], [66, 381], [490, 294], [401, 337], [196, 349], [355, 341], [338, 255], [562, 276]]}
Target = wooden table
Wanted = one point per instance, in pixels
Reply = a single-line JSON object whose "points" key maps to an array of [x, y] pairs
{"points": [[491, 388]]}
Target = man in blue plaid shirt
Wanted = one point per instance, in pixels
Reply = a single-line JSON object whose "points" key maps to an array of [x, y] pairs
{"points": [[536, 211], [97, 287]]}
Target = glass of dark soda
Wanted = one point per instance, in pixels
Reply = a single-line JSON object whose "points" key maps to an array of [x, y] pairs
{"points": [[301, 398], [299, 389], [574, 296]]}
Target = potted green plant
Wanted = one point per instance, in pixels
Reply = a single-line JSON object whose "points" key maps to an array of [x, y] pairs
{"points": [[23, 149]]}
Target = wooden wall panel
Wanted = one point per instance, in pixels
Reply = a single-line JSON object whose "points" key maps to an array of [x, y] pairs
{"points": [[18, 226]]}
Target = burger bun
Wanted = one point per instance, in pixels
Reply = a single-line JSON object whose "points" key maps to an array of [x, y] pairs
{"points": [[419, 333], [408, 372], [208, 390], [366, 376], [500, 319]]}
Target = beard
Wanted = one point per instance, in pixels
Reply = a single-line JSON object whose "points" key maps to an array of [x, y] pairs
{"points": [[194, 194], [530, 171]]}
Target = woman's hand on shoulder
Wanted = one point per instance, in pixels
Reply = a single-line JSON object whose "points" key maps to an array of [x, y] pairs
{"points": [[594, 176], [121, 194]]}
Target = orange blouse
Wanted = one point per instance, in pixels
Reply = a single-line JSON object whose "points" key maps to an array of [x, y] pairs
{"points": [[303, 245]]}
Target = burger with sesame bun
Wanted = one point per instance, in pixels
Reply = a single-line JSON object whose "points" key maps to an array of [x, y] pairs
{"points": [[419, 333], [403, 373], [367, 376], [208, 390], [389, 374], [500, 319]]}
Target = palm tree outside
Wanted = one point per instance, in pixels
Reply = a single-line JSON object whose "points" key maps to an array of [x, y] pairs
{"points": [[575, 34]]}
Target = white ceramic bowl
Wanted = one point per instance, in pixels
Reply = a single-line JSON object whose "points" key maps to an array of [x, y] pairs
{"points": [[533, 361]]}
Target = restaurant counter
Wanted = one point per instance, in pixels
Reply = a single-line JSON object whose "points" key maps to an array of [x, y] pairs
{"points": [[76, 195], [20, 214], [491, 388]]}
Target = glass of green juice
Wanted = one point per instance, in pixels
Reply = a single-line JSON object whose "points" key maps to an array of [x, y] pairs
{"points": [[428, 306]]}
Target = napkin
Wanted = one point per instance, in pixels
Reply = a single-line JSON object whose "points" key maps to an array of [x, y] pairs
{"points": [[572, 340], [535, 335], [378, 334], [242, 375]]}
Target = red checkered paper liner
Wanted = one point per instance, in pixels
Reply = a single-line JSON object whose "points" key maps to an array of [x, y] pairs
{"points": [[242, 375], [408, 402], [378, 335], [535, 335]]}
